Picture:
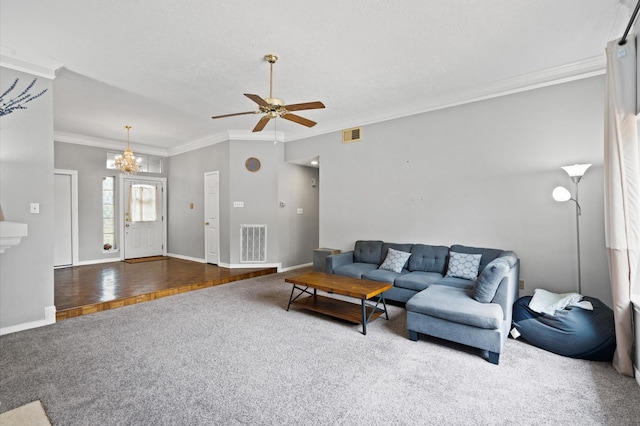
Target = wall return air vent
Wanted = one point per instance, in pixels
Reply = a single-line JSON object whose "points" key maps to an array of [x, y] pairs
{"points": [[351, 135]]}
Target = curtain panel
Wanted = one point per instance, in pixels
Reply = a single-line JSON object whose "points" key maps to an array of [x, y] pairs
{"points": [[622, 191]]}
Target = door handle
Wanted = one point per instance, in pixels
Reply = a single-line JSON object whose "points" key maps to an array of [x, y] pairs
{"points": [[206, 223], [127, 225]]}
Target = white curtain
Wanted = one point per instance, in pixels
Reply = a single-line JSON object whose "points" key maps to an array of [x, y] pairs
{"points": [[143, 204], [622, 191]]}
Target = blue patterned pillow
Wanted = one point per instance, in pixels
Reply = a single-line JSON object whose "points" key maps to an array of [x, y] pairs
{"points": [[395, 260], [463, 265]]}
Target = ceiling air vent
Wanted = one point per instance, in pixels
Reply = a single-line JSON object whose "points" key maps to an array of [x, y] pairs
{"points": [[351, 135]]}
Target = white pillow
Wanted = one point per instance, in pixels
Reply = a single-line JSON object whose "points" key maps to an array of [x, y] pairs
{"points": [[395, 260], [463, 265]]}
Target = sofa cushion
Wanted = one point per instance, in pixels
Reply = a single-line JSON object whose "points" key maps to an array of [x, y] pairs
{"points": [[428, 258], [487, 283], [382, 275], [456, 282], [488, 254], [367, 252], [463, 265], [456, 305], [354, 270], [417, 280], [395, 260]]}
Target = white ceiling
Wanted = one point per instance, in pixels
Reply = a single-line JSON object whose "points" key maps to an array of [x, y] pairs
{"points": [[165, 66]]}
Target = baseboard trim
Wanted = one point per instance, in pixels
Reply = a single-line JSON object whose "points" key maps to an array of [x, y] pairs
{"points": [[292, 268], [192, 259], [49, 318], [250, 265], [96, 261]]}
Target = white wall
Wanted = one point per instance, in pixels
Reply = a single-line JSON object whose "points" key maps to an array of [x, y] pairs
{"points": [[478, 174], [26, 176]]}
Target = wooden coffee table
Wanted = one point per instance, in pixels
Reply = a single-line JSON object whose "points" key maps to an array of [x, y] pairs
{"points": [[364, 290]]}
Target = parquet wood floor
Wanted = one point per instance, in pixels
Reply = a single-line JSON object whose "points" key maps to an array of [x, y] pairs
{"points": [[82, 290]]}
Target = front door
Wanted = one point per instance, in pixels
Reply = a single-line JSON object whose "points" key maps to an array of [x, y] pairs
{"points": [[211, 217], [143, 217]]}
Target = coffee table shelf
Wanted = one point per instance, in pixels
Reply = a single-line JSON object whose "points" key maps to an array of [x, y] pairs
{"points": [[337, 308]]}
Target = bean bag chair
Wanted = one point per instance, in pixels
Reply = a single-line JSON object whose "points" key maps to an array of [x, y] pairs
{"points": [[573, 332]]}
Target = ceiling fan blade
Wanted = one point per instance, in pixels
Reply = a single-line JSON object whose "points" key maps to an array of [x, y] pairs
{"points": [[237, 113], [299, 120], [262, 123], [306, 105], [257, 99]]}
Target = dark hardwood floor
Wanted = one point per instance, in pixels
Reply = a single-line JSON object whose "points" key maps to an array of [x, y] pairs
{"points": [[82, 290]]}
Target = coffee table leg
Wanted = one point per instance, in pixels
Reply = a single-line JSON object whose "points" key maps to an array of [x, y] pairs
{"points": [[364, 317]]}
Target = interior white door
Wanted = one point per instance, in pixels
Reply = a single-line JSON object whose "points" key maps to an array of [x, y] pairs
{"points": [[143, 218], [63, 243], [212, 217]]}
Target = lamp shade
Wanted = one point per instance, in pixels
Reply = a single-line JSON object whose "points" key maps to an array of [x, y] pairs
{"points": [[576, 170], [560, 193]]}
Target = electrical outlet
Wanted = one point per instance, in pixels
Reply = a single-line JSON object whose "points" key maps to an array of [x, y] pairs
{"points": [[521, 284]]}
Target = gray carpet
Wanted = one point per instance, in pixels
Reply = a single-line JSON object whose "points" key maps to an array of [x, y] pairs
{"points": [[232, 355]]}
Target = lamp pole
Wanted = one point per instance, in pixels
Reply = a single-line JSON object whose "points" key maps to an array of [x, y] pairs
{"points": [[576, 179]]}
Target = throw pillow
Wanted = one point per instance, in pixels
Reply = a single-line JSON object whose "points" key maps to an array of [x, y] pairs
{"points": [[487, 283], [395, 260], [463, 265]]}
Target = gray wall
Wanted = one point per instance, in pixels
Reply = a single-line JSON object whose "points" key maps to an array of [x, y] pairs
{"points": [[259, 192], [299, 233], [478, 174], [186, 185], [90, 162], [291, 238], [26, 176]]}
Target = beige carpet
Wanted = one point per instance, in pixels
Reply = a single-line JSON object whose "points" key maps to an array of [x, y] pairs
{"points": [[31, 414]]}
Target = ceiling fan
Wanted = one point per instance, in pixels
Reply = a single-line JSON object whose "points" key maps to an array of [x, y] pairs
{"points": [[274, 107]]}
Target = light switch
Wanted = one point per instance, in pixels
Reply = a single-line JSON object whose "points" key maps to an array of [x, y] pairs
{"points": [[35, 208], [238, 204], [299, 210]]}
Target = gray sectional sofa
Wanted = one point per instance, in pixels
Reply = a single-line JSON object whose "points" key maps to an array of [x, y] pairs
{"points": [[458, 293]]}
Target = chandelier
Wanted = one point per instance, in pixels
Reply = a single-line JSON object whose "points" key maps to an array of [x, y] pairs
{"points": [[126, 163]]}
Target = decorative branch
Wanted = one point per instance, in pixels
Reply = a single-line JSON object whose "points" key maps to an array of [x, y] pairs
{"points": [[19, 101]]}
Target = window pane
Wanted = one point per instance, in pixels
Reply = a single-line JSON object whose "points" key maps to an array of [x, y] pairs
{"points": [[155, 165], [108, 212]]}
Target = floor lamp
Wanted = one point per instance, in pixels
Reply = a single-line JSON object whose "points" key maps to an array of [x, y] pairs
{"points": [[561, 193]]}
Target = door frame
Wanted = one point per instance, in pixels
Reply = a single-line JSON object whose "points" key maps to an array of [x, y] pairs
{"points": [[121, 208], [206, 245], [74, 213]]}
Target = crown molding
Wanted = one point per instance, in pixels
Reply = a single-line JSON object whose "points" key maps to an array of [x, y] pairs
{"points": [[30, 64], [247, 135], [198, 143], [107, 143], [562, 74], [229, 135]]}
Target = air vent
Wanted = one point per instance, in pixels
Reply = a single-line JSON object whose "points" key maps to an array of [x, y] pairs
{"points": [[351, 135]]}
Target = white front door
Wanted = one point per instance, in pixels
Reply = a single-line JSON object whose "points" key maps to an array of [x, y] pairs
{"points": [[143, 217], [212, 217]]}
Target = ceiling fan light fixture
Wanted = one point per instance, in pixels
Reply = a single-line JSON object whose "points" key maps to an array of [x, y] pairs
{"points": [[274, 107]]}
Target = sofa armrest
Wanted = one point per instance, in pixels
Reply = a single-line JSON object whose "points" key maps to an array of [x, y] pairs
{"points": [[335, 260], [508, 291]]}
